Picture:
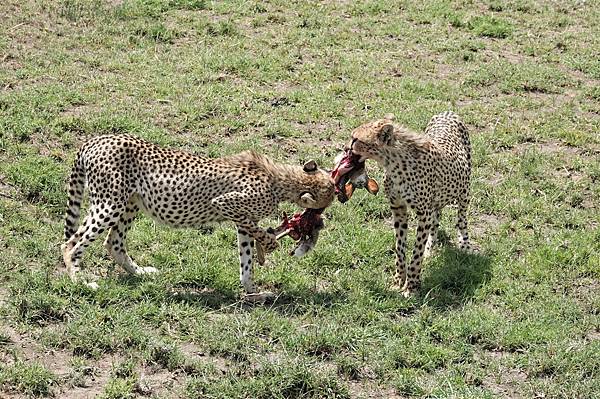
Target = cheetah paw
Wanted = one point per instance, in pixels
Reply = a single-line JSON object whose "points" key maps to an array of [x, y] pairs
{"points": [[146, 270], [259, 297], [66, 253], [430, 252], [470, 248], [399, 284], [92, 285]]}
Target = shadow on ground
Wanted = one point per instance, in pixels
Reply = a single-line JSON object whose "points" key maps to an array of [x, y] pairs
{"points": [[285, 301], [453, 276], [449, 278]]}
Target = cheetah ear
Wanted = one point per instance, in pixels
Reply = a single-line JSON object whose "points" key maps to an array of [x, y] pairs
{"points": [[389, 117], [308, 200], [310, 166], [386, 134]]}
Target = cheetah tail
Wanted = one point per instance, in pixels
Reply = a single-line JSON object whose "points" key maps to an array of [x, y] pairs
{"points": [[76, 187]]}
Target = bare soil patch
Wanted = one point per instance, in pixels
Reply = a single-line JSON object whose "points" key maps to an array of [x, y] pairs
{"points": [[79, 110], [548, 148], [365, 390], [505, 383], [194, 352], [94, 380], [483, 223], [160, 383], [7, 190]]}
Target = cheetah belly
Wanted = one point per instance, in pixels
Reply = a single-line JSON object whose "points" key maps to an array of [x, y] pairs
{"points": [[183, 204], [452, 180], [178, 215]]}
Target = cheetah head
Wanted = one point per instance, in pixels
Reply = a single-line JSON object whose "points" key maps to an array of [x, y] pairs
{"points": [[369, 141], [317, 187]]}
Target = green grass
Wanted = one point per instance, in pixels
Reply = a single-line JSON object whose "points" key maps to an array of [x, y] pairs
{"points": [[291, 80], [28, 378]]}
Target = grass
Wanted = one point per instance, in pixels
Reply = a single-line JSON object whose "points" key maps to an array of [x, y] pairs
{"points": [[291, 80], [29, 378]]}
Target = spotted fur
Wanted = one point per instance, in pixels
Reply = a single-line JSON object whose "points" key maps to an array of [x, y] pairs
{"points": [[125, 174], [424, 173]]}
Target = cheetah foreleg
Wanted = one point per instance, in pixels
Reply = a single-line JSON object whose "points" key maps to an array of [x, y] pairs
{"points": [[123, 259], [234, 206], [245, 244], [116, 245], [400, 228], [413, 280]]}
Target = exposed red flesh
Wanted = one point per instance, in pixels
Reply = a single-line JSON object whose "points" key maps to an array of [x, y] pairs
{"points": [[301, 224], [349, 162], [304, 227], [341, 173]]}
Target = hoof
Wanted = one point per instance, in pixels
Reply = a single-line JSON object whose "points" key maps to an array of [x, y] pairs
{"points": [[260, 254], [66, 249]]}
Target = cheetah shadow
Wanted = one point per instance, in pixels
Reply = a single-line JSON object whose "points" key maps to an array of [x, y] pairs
{"points": [[287, 301], [452, 275], [206, 297], [298, 301]]}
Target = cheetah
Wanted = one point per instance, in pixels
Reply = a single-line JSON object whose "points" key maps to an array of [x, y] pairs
{"points": [[422, 172], [125, 174]]}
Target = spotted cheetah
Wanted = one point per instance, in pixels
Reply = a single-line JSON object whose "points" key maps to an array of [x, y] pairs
{"points": [[424, 173], [125, 174]]}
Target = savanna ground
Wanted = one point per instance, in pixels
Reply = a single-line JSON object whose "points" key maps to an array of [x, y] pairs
{"points": [[291, 79]]}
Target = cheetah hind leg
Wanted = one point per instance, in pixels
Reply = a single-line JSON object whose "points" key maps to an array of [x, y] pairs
{"points": [[432, 236], [115, 241], [463, 235], [71, 260], [67, 251], [122, 258]]}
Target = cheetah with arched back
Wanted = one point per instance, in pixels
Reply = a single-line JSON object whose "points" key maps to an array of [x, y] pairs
{"points": [[125, 174], [422, 172]]}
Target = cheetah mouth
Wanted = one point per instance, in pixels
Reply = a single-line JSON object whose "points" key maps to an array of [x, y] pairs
{"points": [[302, 227], [350, 173]]}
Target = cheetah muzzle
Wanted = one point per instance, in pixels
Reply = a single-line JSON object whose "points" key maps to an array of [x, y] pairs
{"points": [[349, 174]]}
